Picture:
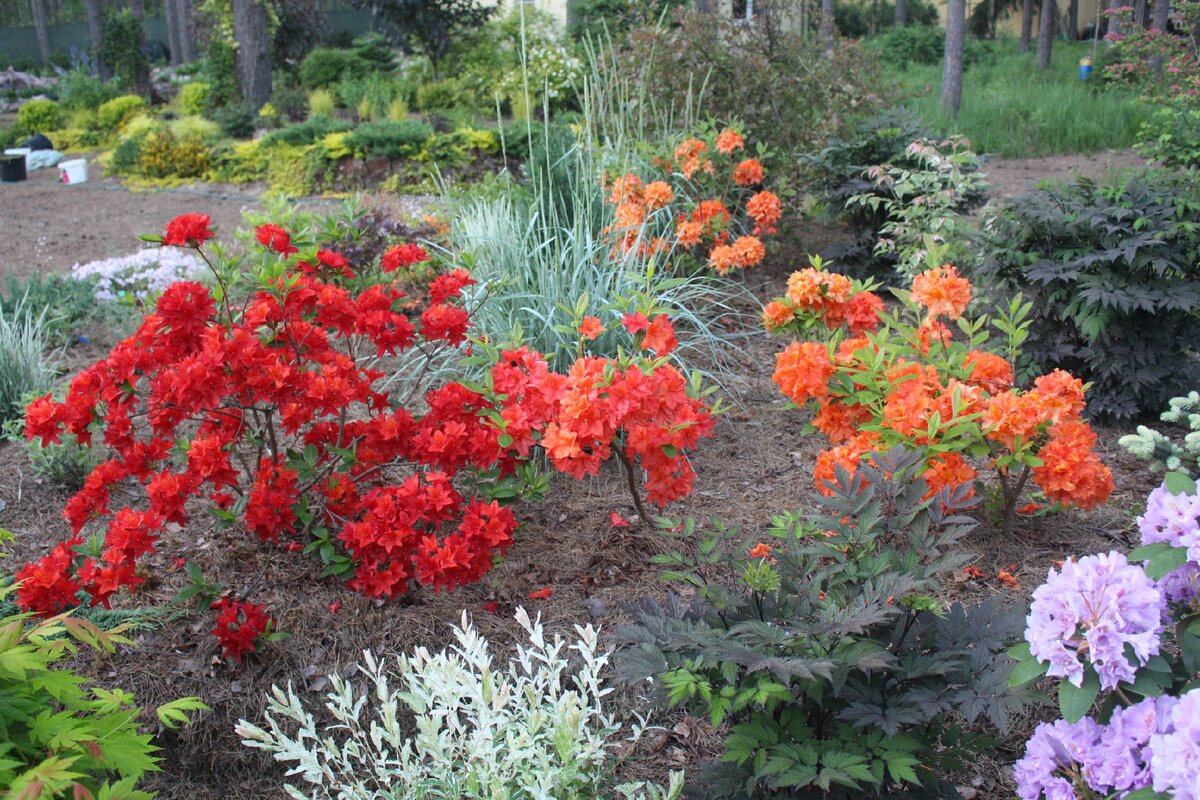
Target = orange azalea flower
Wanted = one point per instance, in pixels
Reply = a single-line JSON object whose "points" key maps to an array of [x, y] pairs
{"points": [[948, 469], [688, 234], [760, 550], [748, 173], [862, 312], [627, 189], [839, 422], [560, 443], [837, 287], [804, 288], [723, 258], [712, 214], [657, 194], [688, 157], [749, 251], [776, 314], [1061, 394], [942, 291], [591, 327], [630, 215], [729, 140], [989, 371], [660, 336], [1071, 473], [765, 209], [803, 370], [1009, 416], [933, 330]]}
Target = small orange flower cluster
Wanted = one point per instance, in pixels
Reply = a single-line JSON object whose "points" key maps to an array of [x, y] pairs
{"points": [[833, 299], [911, 384], [716, 210]]}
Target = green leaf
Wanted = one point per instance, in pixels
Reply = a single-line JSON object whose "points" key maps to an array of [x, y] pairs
{"points": [[1160, 558], [1025, 671], [1178, 483], [1074, 702], [175, 713]]}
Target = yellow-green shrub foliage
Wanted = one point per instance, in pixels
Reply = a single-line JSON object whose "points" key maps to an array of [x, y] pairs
{"points": [[193, 98], [164, 156], [293, 170], [38, 116], [199, 128], [111, 114]]}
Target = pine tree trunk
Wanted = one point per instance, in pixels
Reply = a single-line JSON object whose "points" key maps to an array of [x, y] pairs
{"points": [[1114, 23], [38, 7], [254, 51], [187, 37], [1046, 25], [825, 31], [1073, 20], [1026, 24], [952, 63], [173, 33], [95, 23], [1159, 22], [901, 13], [1141, 13]]}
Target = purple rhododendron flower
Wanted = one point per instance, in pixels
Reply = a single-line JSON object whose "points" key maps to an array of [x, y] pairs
{"points": [[1174, 754], [1053, 756], [1093, 608], [1175, 519], [1118, 762]]}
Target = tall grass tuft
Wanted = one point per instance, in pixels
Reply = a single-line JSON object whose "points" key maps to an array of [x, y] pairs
{"points": [[1012, 109], [24, 366]]}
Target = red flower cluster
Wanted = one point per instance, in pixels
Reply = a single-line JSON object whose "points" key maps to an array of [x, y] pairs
{"points": [[284, 425], [717, 215], [912, 385], [239, 624]]}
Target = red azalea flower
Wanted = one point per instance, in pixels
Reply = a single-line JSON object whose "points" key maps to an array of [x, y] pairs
{"points": [[188, 230], [403, 255], [275, 238]]}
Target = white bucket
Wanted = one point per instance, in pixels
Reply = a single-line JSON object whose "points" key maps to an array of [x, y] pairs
{"points": [[20, 151], [74, 171]]}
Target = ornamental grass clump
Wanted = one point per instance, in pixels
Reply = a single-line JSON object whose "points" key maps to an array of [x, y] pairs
{"points": [[1122, 634], [881, 380], [534, 726]]}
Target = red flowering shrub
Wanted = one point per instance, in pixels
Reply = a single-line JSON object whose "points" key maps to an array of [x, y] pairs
{"points": [[708, 202], [272, 411], [881, 380], [240, 624]]}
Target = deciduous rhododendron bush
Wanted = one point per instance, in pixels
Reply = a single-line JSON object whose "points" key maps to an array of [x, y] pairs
{"points": [[265, 400], [879, 380], [706, 201]]}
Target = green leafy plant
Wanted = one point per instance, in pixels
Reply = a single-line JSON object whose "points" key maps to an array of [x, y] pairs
{"points": [[193, 98], [825, 647], [535, 726], [1171, 136], [1149, 444], [69, 303], [79, 90], [1112, 271], [62, 736], [307, 132], [121, 49], [389, 139], [325, 66], [39, 116], [24, 366], [113, 113]]}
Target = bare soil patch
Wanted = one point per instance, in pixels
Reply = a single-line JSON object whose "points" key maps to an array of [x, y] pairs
{"points": [[1011, 176]]}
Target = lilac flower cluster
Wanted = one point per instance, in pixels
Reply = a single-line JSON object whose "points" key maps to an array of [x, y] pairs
{"points": [[1175, 519], [141, 275], [1094, 608], [1143, 745]]}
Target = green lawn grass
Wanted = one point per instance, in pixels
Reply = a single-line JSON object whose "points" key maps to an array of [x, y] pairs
{"points": [[1012, 109]]}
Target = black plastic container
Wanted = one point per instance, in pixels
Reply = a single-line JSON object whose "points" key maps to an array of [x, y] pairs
{"points": [[12, 169]]}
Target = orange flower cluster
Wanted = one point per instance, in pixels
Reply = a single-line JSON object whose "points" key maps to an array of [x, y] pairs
{"points": [[913, 385], [716, 211], [833, 299]]}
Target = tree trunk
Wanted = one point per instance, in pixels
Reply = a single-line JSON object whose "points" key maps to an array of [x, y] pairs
{"points": [[901, 13], [1026, 24], [38, 7], [952, 63], [254, 51], [95, 23], [1159, 22], [1046, 25], [1141, 13], [1073, 20], [187, 38], [173, 33], [825, 31], [1114, 23]]}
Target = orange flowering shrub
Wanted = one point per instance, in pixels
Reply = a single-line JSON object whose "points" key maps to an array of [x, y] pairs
{"points": [[708, 202], [880, 379]]}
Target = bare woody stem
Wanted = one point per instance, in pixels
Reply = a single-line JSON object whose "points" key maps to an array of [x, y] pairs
{"points": [[631, 479]]}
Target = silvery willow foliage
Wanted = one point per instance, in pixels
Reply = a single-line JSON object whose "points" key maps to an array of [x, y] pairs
{"points": [[533, 729], [826, 648], [1149, 444], [141, 275], [1108, 623]]}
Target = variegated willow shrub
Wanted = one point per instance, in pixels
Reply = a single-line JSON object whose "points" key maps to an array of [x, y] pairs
{"points": [[880, 379], [705, 202], [535, 726], [825, 647]]}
